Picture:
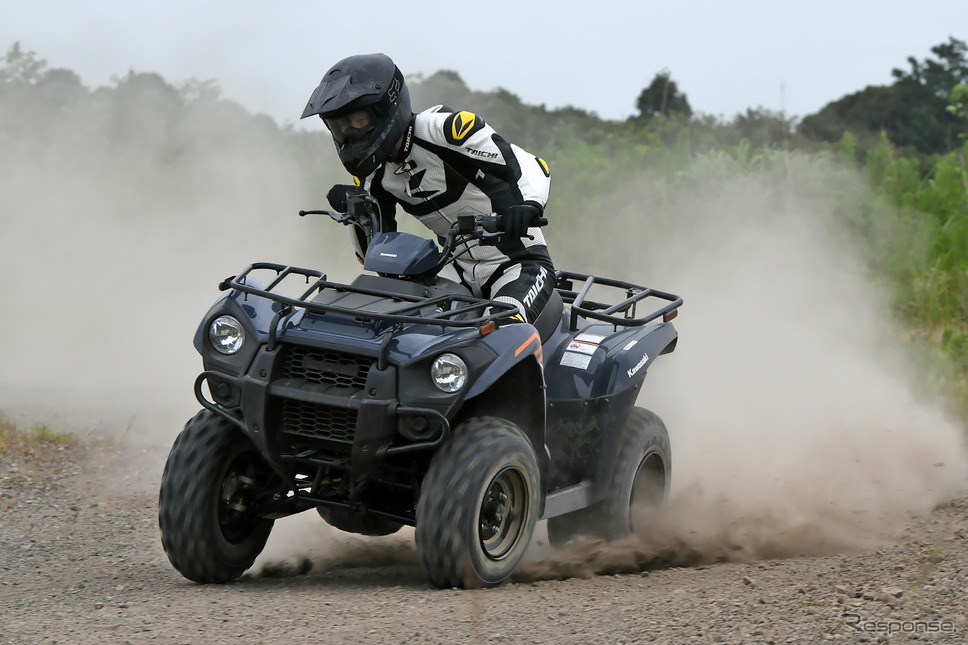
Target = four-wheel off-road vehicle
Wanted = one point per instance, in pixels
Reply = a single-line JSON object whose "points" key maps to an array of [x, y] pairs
{"points": [[402, 399]]}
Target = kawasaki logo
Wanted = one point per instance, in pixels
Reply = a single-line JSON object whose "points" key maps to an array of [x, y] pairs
{"points": [[639, 365]]}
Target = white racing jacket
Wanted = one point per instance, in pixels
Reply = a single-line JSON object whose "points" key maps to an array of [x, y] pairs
{"points": [[452, 162]]}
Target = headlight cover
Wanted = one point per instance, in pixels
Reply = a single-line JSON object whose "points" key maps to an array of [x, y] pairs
{"points": [[226, 335], [449, 373]]}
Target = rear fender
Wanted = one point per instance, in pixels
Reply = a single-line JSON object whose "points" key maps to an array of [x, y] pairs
{"points": [[627, 363], [598, 361]]}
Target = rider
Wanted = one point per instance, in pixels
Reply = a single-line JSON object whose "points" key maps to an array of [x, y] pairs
{"points": [[436, 164]]}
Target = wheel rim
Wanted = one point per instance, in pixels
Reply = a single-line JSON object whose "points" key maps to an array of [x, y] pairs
{"points": [[503, 513], [238, 497], [648, 490]]}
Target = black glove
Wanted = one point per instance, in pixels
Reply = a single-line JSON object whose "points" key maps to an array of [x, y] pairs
{"points": [[517, 219], [337, 196]]}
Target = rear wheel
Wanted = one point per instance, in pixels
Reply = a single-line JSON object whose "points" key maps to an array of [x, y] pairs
{"points": [[639, 484], [478, 505], [212, 481]]}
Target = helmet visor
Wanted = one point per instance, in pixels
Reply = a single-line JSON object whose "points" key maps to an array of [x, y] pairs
{"points": [[352, 127]]}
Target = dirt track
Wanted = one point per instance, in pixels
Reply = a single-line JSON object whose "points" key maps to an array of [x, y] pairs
{"points": [[82, 563]]}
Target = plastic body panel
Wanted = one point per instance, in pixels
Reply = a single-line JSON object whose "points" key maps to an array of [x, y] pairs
{"points": [[361, 354]]}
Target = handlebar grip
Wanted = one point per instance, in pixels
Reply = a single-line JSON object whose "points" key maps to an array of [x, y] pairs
{"points": [[493, 219], [491, 222]]}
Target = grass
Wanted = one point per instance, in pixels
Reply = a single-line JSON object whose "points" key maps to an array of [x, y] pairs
{"points": [[31, 457], [38, 445]]}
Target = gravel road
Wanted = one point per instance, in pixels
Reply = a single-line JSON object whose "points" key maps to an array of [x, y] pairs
{"points": [[81, 562]]}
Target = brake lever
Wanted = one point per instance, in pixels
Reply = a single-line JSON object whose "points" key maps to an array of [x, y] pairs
{"points": [[537, 221], [342, 218], [489, 239]]}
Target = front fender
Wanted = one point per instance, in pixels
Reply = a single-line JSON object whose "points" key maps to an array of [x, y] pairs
{"points": [[512, 344], [512, 387]]}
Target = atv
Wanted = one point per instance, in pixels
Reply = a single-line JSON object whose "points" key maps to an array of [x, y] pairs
{"points": [[403, 399]]}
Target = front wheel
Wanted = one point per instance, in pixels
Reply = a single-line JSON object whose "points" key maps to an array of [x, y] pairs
{"points": [[478, 505], [213, 479], [639, 483]]}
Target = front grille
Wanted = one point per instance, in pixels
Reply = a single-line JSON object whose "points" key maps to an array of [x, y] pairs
{"points": [[318, 421], [326, 368]]}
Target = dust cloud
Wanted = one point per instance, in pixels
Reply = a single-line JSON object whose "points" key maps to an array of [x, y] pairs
{"points": [[116, 226], [304, 544], [799, 423]]}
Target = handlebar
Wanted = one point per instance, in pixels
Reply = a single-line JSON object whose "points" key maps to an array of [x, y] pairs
{"points": [[483, 226], [364, 211], [489, 223]]}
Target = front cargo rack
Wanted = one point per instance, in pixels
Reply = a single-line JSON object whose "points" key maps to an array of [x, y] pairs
{"points": [[634, 295], [448, 309]]}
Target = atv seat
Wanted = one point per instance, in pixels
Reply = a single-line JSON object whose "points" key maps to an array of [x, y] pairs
{"points": [[550, 317]]}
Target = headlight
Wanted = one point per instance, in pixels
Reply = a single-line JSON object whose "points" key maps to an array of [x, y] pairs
{"points": [[449, 373], [226, 335]]}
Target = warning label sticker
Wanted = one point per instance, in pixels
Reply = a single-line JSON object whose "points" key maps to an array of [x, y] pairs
{"points": [[582, 347], [574, 359]]}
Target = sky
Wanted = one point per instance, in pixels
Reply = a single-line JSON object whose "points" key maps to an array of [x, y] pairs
{"points": [[793, 57]]}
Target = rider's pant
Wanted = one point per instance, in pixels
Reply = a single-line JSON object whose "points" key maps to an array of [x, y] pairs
{"points": [[528, 285]]}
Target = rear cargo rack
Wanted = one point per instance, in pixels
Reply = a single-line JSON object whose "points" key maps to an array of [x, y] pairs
{"points": [[634, 295], [449, 310]]}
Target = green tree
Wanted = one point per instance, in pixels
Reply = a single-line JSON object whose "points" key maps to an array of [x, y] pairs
{"points": [[959, 109], [21, 67], [662, 97], [938, 77], [912, 111], [764, 128]]}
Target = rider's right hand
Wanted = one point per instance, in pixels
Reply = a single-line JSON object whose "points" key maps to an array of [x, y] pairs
{"points": [[337, 196], [516, 220]]}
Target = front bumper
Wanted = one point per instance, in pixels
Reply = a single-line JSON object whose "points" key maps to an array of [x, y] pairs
{"points": [[320, 416]]}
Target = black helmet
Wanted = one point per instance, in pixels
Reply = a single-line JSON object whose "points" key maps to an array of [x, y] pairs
{"points": [[366, 105]]}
